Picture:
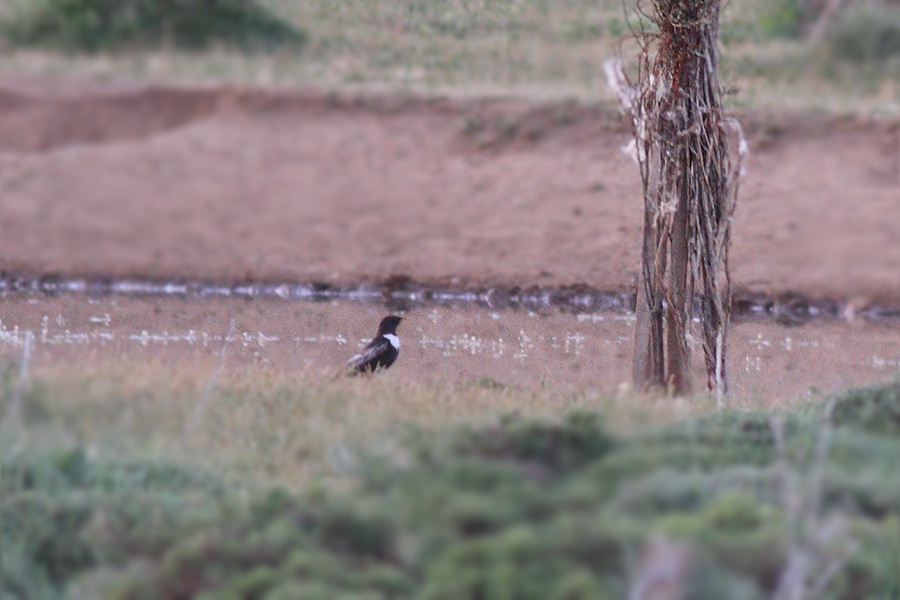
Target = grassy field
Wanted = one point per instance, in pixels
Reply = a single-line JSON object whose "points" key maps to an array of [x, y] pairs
{"points": [[158, 482], [264, 426], [535, 49]]}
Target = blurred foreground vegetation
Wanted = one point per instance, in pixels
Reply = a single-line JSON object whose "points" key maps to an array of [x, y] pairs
{"points": [[511, 507]]}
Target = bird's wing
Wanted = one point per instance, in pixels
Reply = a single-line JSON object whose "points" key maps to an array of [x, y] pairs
{"points": [[375, 349]]}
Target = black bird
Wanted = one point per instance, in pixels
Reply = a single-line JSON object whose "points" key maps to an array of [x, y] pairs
{"points": [[381, 352]]}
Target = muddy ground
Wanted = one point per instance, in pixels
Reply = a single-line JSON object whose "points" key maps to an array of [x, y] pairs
{"points": [[221, 184]]}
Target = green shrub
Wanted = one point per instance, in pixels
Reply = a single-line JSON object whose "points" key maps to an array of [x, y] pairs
{"points": [[740, 532], [874, 409], [520, 562], [866, 34], [578, 440], [63, 513], [769, 19], [521, 508], [98, 25], [781, 18]]}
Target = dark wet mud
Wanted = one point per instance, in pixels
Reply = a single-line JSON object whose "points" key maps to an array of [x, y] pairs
{"points": [[452, 340], [401, 293]]}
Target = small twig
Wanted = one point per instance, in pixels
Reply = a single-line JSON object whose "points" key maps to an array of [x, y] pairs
{"points": [[805, 507], [817, 479], [664, 570], [837, 563], [820, 461], [197, 416], [13, 417], [790, 586], [826, 17]]}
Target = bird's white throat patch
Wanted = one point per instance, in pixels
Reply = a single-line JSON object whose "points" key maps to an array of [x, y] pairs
{"points": [[393, 339]]}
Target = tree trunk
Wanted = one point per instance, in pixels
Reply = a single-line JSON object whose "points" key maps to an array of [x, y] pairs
{"points": [[648, 368], [689, 176], [678, 360]]}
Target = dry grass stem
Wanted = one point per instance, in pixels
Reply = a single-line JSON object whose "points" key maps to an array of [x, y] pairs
{"points": [[13, 419], [197, 416], [811, 563]]}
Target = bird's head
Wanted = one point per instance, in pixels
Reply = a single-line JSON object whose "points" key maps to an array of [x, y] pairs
{"points": [[389, 324]]}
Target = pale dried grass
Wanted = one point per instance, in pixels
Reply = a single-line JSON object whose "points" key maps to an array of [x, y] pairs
{"points": [[264, 425]]}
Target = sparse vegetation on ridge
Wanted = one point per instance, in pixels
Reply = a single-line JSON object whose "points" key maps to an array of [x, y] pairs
{"points": [[867, 35], [528, 48]]}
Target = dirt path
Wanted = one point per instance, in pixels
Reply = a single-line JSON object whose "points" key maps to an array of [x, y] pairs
{"points": [[224, 185]]}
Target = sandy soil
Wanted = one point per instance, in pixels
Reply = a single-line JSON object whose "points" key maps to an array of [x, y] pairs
{"points": [[228, 184]]}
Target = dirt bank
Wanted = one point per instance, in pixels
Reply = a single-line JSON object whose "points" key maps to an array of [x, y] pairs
{"points": [[227, 184]]}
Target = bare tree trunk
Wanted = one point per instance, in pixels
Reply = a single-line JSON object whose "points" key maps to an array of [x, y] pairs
{"points": [[649, 357], [689, 173], [678, 360]]}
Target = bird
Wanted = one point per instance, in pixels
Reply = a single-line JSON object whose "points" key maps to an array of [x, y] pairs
{"points": [[381, 352]]}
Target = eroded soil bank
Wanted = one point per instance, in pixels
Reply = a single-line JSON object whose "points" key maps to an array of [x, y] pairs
{"points": [[226, 185]]}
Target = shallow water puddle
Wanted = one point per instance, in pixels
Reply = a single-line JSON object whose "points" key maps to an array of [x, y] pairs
{"points": [[451, 343]]}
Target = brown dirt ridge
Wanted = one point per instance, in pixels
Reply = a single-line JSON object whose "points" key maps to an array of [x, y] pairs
{"points": [[224, 184]]}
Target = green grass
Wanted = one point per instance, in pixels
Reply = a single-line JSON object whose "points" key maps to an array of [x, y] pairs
{"points": [[300, 487], [533, 49]]}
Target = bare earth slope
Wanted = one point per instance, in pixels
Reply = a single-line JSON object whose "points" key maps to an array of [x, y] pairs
{"points": [[225, 185]]}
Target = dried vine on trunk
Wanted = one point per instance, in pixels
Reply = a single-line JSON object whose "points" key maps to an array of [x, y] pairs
{"points": [[689, 155]]}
